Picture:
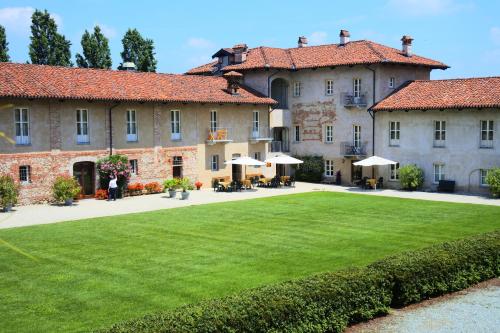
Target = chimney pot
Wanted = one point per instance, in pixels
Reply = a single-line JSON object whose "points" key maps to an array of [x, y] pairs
{"points": [[302, 41], [344, 37], [406, 43], [240, 53]]}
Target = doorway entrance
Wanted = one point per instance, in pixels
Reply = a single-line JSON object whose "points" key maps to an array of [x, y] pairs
{"points": [[236, 171], [84, 172], [356, 172]]}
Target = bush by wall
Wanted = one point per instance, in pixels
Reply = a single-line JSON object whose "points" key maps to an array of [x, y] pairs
{"points": [[311, 170], [493, 180], [328, 302], [411, 177]]}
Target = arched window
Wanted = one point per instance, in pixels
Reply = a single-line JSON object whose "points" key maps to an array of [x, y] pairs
{"points": [[279, 92]]}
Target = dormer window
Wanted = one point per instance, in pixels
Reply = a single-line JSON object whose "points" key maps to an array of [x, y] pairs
{"points": [[224, 61]]}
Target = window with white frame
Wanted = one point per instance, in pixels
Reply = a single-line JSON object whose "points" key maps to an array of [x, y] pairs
{"points": [[356, 83], [394, 132], [356, 136], [131, 126], [486, 133], [82, 126], [134, 170], [255, 124], [392, 82], [438, 172], [296, 130], [214, 163], [213, 120], [175, 124], [328, 168], [297, 88], [329, 87], [439, 133], [394, 172], [22, 126], [483, 173], [329, 133], [25, 174]]}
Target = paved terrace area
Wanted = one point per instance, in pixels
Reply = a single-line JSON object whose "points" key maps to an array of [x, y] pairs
{"points": [[44, 214]]}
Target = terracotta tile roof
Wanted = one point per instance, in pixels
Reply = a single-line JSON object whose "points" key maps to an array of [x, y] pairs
{"points": [[444, 94], [36, 81], [352, 53]]}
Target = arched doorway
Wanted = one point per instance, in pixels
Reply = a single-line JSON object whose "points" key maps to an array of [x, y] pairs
{"points": [[279, 92], [84, 172]]}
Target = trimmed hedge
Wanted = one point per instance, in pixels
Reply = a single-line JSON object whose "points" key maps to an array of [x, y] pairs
{"points": [[311, 170], [329, 302]]}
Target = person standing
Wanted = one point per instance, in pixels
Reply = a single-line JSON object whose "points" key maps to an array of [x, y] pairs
{"points": [[112, 188]]}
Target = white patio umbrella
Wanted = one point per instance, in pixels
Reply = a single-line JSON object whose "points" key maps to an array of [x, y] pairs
{"points": [[283, 159], [245, 160], [374, 160]]}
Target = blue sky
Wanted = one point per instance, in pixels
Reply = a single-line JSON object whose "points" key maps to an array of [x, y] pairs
{"points": [[465, 34]]}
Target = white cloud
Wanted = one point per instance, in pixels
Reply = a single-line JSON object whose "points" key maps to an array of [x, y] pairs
{"points": [[108, 31], [200, 43], [495, 35], [317, 38], [428, 7], [17, 20]]}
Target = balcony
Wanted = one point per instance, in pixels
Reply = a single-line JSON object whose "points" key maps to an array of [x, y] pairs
{"points": [[260, 134], [348, 149], [351, 101], [279, 147], [219, 135]]}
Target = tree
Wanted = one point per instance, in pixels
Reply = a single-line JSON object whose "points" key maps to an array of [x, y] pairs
{"points": [[47, 46], [4, 56], [96, 53], [138, 50]]}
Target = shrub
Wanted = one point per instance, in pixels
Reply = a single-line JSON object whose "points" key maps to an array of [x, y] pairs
{"points": [[411, 177], [65, 188], [311, 170], [135, 187], [330, 301], [153, 187], [9, 191], [493, 180], [116, 165], [101, 194], [185, 184], [198, 184], [171, 184]]}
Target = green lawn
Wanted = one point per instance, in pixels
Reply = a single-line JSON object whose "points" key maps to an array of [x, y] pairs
{"points": [[92, 273]]}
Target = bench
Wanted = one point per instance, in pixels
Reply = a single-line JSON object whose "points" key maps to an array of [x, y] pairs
{"points": [[446, 186]]}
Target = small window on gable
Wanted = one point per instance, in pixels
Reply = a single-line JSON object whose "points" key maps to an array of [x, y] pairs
{"points": [[392, 82], [297, 88], [329, 87]]}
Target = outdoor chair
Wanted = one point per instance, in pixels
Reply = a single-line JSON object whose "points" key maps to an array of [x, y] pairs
{"points": [[236, 185], [290, 181], [380, 182], [215, 185], [364, 185]]}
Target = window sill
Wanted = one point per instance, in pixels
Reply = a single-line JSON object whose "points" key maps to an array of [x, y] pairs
{"points": [[393, 145], [434, 146], [485, 147], [134, 141], [83, 143], [329, 142], [23, 144]]}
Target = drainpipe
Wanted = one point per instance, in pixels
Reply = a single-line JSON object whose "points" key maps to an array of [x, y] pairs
{"points": [[111, 128], [372, 114]]}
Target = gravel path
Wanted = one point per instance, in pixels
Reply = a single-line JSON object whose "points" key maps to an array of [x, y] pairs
{"points": [[476, 309]]}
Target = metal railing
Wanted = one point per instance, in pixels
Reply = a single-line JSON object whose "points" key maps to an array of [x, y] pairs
{"points": [[350, 149], [349, 100], [260, 133], [279, 147], [219, 134]]}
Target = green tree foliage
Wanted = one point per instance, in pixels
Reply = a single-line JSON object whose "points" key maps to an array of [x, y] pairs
{"points": [[4, 56], [411, 177], [138, 50], [311, 170], [96, 53], [47, 46], [493, 180]]}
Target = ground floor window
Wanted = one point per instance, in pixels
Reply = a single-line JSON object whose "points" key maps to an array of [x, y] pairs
{"points": [[329, 168], [483, 173], [394, 172], [214, 163], [438, 172], [25, 174], [134, 170], [177, 167]]}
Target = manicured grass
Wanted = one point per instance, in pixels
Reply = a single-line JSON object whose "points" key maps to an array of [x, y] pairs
{"points": [[92, 273]]}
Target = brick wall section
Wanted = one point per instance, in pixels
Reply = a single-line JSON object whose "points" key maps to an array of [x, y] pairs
{"points": [[154, 164], [312, 116]]}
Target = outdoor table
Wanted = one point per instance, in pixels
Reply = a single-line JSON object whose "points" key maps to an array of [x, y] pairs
{"points": [[372, 182], [225, 184], [247, 183], [265, 180]]}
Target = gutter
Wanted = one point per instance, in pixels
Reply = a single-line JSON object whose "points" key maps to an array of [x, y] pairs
{"points": [[371, 112]]}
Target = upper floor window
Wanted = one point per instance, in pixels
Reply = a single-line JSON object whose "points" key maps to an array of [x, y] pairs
{"points": [[356, 87], [175, 124], [439, 133], [328, 133], [134, 170], [328, 168], [131, 126], [486, 134], [438, 172], [392, 82], [296, 130], [279, 92], [214, 163], [483, 173], [394, 128], [255, 123], [22, 126], [82, 126], [394, 172], [329, 87], [213, 120], [356, 136], [25, 174], [297, 88]]}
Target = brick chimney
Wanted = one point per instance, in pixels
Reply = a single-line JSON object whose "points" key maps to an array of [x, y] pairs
{"points": [[344, 37], [302, 42], [240, 53], [233, 81], [407, 45]]}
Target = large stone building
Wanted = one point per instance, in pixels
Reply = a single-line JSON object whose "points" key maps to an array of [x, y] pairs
{"points": [[62, 120], [324, 92]]}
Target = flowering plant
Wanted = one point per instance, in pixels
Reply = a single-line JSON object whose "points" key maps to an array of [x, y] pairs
{"points": [[153, 187], [135, 187], [198, 184], [116, 166], [101, 194]]}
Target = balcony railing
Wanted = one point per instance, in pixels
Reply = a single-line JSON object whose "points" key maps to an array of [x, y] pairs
{"points": [[348, 149], [260, 134], [349, 100], [219, 135], [279, 147]]}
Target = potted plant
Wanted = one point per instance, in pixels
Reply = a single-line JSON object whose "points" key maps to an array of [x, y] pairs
{"points": [[9, 192], [198, 185], [186, 186], [171, 185], [153, 187], [65, 188], [135, 189]]}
